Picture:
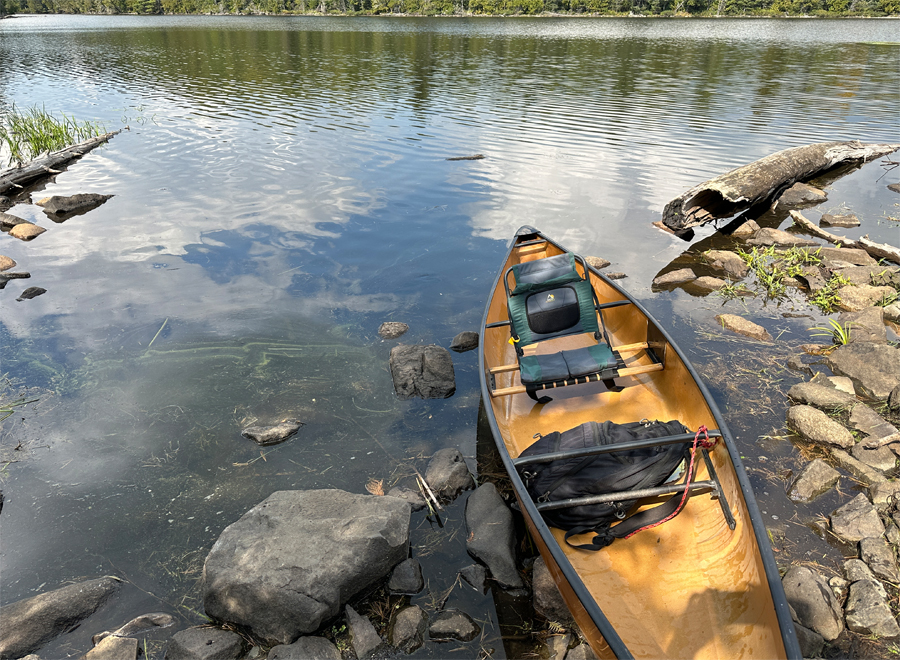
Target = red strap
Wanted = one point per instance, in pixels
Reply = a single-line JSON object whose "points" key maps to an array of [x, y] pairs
{"points": [[706, 443]]}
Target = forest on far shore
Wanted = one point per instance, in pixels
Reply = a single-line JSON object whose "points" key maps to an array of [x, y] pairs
{"points": [[669, 8]]}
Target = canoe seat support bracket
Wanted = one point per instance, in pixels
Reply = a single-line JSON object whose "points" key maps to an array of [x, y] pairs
{"points": [[718, 494]]}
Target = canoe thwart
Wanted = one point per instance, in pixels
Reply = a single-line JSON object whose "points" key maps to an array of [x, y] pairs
{"points": [[621, 373], [696, 488], [608, 449]]}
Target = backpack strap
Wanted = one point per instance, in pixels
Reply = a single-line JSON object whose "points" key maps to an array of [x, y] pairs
{"points": [[605, 535]]}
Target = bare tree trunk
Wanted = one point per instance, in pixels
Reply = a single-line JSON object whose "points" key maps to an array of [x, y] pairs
{"points": [[18, 177], [741, 188]]}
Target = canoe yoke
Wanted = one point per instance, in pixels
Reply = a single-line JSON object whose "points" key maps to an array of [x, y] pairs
{"points": [[647, 518], [551, 299]]}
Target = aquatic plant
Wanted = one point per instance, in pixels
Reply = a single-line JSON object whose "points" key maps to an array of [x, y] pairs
{"points": [[840, 334], [27, 134], [827, 298]]}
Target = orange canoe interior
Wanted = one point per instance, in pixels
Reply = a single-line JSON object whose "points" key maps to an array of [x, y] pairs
{"points": [[689, 588]]}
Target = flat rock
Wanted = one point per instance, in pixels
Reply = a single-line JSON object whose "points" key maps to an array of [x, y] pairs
{"points": [[814, 479], [829, 220], [813, 601], [114, 648], [854, 298], [464, 341], [26, 231], [880, 558], [392, 330], [6, 263], [547, 600], [363, 637], [854, 256], [727, 261], [768, 236], [675, 277], [491, 538], [406, 578], [72, 204], [453, 624], [867, 611], [873, 368], [616, 276], [597, 263], [880, 458], [305, 648], [291, 562], [708, 283], [447, 473], [272, 435], [871, 273], [815, 426], [857, 520], [475, 575], [856, 570], [407, 631], [743, 326], [883, 494], [870, 423], [801, 194], [820, 396], [205, 643], [865, 325], [30, 623], [422, 371], [863, 472]]}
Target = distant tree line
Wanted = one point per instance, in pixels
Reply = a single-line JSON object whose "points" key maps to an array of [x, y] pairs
{"points": [[462, 7]]}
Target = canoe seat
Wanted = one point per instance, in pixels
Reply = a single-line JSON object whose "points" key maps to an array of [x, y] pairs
{"points": [[550, 298]]}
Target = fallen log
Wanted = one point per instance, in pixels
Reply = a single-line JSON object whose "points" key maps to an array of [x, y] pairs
{"points": [[730, 193], [879, 250], [14, 178]]}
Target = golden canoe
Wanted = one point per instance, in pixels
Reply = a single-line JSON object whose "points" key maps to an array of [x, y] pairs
{"points": [[692, 587]]}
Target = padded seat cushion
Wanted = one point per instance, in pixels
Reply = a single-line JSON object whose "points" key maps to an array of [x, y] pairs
{"points": [[535, 369]]}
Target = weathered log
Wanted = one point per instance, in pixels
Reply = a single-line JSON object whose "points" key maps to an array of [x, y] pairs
{"points": [[737, 190], [879, 250], [15, 178]]}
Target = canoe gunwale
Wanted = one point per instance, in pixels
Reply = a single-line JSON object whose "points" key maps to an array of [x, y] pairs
{"points": [[529, 508]]}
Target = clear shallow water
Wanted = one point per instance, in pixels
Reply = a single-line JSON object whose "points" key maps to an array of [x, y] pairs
{"points": [[283, 189]]}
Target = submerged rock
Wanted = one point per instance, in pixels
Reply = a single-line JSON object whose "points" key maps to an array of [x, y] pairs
{"points": [[453, 624], [30, 623], [767, 236], [708, 283], [292, 561], [406, 578], [675, 277], [475, 575], [392, 330], [813, 601], [422, 371], [139, 624], [272, 435], [814, 479], [742, 326], [491, 537], [727, 261], [114, 648]]}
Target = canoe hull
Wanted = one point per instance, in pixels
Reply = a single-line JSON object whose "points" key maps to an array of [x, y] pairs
{"points": [[692, 587]]}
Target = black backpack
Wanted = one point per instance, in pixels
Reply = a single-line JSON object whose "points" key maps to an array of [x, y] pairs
{"points": [[569, 478]]}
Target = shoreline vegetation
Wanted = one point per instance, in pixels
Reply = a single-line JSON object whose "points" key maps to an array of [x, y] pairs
{"points": [[468, 8]]}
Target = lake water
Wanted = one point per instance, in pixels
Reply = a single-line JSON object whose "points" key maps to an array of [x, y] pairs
{"points": [[284, 188]]}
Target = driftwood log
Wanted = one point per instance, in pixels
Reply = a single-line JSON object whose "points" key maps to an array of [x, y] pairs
{"points": [[760, 181], [14, 178], [879, 250]]}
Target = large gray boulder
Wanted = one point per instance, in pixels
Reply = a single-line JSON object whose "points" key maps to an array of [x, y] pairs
{"points": [[873, 368], [291, 562], [813, 601], [422, 371], [492, 538], [28, 624], [814, 479]]}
